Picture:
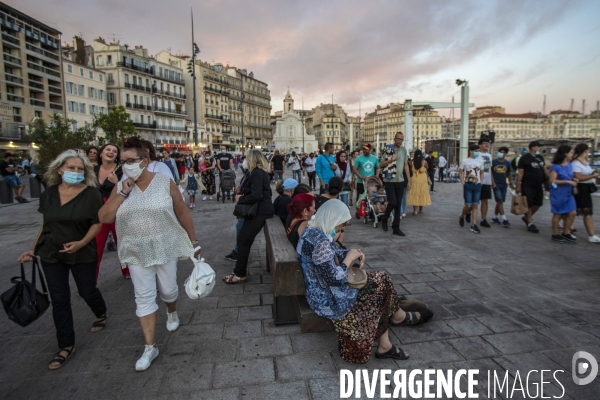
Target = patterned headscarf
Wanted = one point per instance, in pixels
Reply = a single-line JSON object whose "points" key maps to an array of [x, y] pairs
{"points": [[331, 214]]}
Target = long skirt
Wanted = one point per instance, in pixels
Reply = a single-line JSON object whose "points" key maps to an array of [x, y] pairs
{"points": [[368, 319], [208, 179]]}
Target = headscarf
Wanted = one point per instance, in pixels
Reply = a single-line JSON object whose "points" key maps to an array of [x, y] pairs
{"points": [[341, 165], [331, 214]]}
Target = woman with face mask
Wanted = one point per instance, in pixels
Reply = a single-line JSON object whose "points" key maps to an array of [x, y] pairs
{"points": [[155, 230], [66, 243]]}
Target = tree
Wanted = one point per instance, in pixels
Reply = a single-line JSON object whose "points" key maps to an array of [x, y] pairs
{"points": [[116, 125], [56, 137]]}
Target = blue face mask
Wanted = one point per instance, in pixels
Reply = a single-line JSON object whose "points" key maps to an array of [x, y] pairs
{"points": [[476, 154], [537, 153], [332, 233], [500, 155], [73, 178]]}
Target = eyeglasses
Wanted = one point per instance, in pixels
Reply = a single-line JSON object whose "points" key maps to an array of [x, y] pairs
{"points": [[129, 161]]}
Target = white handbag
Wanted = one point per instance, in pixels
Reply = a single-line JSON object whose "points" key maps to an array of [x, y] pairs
{"points": [[202, 280]]}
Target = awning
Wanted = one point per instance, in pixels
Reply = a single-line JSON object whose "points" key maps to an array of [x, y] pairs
{"points": [[176, 147], [215, 134]]}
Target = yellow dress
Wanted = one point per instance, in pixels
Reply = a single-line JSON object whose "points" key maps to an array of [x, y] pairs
{"points": [[418, 195]]}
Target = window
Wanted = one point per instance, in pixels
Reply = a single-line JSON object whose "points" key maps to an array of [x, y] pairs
{"points": [[127, 98], [74, 126], [101, 77], [70, 68], [38, 114], [91, 75], [109, 60], [81, 72], [72, 106], [99, 61], [111, 98], [71, 88], [81, 90], [91, 92], [82, 108], [126, 78]]}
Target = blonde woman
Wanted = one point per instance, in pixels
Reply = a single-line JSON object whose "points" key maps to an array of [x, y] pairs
{"points": [[66, 243], [256, 189]]}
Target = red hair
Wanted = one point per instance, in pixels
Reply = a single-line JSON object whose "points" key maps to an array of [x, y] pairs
{"points": [[299, 203]]}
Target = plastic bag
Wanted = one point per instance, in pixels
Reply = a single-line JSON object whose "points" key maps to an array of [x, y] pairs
{"points": [[202, 280]]}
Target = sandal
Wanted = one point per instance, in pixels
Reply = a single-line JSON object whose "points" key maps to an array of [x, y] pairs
{"points": [[61, 360], [232, 279], [410, 319], [394, 353], [100, 322]]}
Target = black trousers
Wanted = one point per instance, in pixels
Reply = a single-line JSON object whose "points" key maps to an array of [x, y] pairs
{"points": [[57, 277], [431, 174], [245, 239], [360, 189], [441, 174], [394, 192], [312, 181]]}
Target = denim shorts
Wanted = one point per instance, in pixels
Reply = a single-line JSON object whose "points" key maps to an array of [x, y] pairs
{"points": [[500, 193], [13, 181], [471, 193]]}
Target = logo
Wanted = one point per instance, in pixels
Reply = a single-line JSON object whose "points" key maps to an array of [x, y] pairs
{"points": [[580, 367]]}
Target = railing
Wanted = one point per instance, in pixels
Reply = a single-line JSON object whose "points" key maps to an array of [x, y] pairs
{"points": [[14, 79], [134, 67], [170, 110], [128, 105], [213, 116], [139, 106], [146, 126], [211, 89], [37, 85], [226, 130], [42, 52], [54, 89], [10, 38], [39, 103], [55, 106], [172, 128], [167, 93], [11, 59], [212, 78], [138, 87], [260, 103], [11, 133], [226, 120], [42, 69], [258, 93], [15, 98], [174, 79], [110, 82]]}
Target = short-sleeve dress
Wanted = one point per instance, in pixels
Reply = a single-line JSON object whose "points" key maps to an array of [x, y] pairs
{"points": [[562, 200]]}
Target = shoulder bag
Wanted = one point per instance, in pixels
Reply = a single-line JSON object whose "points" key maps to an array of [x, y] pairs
{"points": [[23, 303], [246, 211]]}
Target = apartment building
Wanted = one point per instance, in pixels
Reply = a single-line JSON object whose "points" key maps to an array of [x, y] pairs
{"points": [[152, 91], [31, 83], [328, 123], [85, 86]]}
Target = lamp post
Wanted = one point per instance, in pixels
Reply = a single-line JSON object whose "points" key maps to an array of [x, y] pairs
{"points": [[464, 118], [303, 133], [241, 108], [192, 71]]}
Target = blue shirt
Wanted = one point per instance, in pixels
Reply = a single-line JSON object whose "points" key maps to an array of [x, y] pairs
{"points": [[500, 170], [366, 166], [327, 290], [323, 167], [170, 165]]}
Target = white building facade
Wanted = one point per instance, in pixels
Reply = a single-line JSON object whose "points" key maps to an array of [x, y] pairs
{"points": [[290, 130]]}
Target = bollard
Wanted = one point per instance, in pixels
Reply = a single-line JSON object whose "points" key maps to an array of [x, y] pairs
{"points": [[6, 193], [35, 188]]}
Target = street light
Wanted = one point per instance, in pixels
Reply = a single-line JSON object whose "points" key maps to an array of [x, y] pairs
{"points": [[191, 67]]}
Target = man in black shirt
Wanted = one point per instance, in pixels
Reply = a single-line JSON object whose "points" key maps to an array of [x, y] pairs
{"points": [[431, 170], [225, 160], [277, 166], [530, 180], [9, 170]]}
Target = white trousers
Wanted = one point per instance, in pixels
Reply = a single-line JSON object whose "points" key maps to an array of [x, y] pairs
{"points": [[145, 280]]}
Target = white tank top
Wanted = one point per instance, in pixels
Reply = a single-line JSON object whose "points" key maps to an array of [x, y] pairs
{"points": [[149, 232]]}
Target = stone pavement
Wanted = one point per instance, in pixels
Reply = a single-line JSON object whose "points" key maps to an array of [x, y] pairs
{"points": [[504, 300]]}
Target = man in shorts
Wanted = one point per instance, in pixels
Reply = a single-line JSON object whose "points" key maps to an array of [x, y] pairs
{"points": [[530, 182], [10, 170], [488, 180], [501, 171], [471, 175]]}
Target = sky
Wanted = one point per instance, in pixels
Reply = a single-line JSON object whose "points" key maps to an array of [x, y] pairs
{"points": [[512, 52]]}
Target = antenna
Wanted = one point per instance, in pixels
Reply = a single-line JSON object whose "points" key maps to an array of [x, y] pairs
{"points": [[583, 107], [544, 106], [115, 37], [571, 108]]}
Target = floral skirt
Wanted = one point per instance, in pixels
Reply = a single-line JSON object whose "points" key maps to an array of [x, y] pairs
{"points": [[208, 179], [368, 319]]}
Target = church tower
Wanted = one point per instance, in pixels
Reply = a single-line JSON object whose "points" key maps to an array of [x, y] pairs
{"points": [[288, 102]]}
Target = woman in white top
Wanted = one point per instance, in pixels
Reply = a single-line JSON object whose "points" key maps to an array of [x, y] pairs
{"points": [[155, 230], [586, 186], [155, 165]]}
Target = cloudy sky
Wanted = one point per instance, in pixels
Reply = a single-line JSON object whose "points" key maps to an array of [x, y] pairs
{"points": [[513, 52]]}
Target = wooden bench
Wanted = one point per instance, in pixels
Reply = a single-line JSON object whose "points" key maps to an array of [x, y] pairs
{"points": [[289, 302]]}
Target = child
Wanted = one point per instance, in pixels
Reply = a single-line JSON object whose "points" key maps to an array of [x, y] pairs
{"points": [[379, 199], [470, 173], [192, 181]]}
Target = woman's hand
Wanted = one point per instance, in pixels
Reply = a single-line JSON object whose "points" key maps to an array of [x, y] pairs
{"points": [[112, 177], [352, 256], [237, 197], [573, 183], [127, 186], [71, 247], [197, 254], [27, 256]]}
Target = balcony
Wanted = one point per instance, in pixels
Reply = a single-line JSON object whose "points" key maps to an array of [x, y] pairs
{"points": [[110, 82], [11, 60], [39, 103], [40, 68], [212, 78], [145, 126], [56, 106], [39, 86], [211, 89], [55, 90], [138, 87], [14, 79], [149, 71], [7, 37], [174, 79], [170, 110], [139, 106], [15, 98], [172, 128], [54, 57], [128, 105], [167, 93], [220, 117]]}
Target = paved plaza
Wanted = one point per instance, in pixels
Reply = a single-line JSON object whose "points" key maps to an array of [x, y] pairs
{"points": [[503, 300]]}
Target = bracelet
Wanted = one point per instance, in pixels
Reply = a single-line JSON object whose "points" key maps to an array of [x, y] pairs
{"points": [[123, 195], [194, 242]]}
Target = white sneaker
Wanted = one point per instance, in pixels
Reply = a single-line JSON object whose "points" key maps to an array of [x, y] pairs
{"points": [[204, 198], [403, 215], [150, 353], [210, 198], [172, 321], [594, 239]]}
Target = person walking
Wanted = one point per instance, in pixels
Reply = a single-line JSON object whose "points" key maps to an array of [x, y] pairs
{"points": [[365, 165], [530, 181], [488, 179], [418, 195], [502, 178], [311, 171], [256, 189], [442, 163], [326, 167], [277, 166], [207, 166], [470, 173], [294, 163], [395, 169], [431, 170], [562, 201], [66, 243], [586, 185], [344, 172], [192, 184], [169, 162], [10, 174], [108, 172], [155, 230]]}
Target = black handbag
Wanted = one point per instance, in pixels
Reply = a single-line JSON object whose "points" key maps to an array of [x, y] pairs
{"points": [[246, 211], [23, 303]]}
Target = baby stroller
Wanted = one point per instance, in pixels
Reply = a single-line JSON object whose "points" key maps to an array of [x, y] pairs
{"points": [[227, 185], [371, 184]]}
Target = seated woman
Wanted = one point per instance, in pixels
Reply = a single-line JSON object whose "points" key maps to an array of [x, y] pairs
{"points": [[360, 317], [302, 208]]}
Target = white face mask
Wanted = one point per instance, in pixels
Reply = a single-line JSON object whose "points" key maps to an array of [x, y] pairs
{"points": [[133, 171]]}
